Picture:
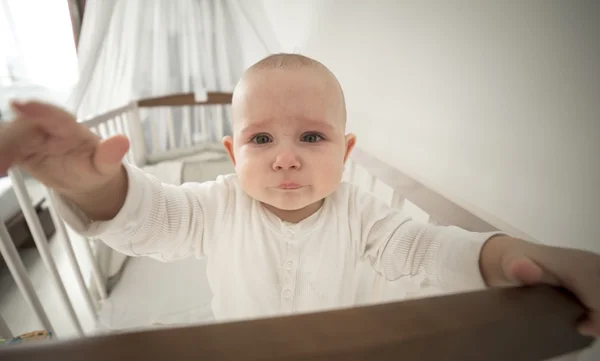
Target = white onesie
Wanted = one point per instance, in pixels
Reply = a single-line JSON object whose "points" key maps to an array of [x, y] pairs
{"points": [[260, 266]]}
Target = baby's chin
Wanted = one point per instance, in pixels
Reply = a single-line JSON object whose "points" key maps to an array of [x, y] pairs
{"points": [[289, 205], [292, 202]]}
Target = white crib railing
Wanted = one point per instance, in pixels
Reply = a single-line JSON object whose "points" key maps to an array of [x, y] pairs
{"points": [[17, 269]]}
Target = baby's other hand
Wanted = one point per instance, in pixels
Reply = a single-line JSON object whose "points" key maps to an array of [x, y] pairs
{"points": [[524, 263]]}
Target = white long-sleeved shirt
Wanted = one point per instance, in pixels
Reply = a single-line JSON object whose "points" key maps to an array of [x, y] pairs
{"points": [[260, 266]]}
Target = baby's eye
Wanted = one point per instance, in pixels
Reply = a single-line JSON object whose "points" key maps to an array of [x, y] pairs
{"points": [[311, 138], [261, 139]]}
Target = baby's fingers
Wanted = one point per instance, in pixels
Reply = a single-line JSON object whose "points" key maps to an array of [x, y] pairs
{"points": [[11, 136], [51, 118], [591, 325]]}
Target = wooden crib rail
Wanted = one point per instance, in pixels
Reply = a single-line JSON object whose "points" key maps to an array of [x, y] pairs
{"points": [[213, 98], [528, 323]]}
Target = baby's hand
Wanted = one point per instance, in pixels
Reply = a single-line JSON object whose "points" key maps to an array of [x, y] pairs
{"points": [[49, 143], [513, 261]]}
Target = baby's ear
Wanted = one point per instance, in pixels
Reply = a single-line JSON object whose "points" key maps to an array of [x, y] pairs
{"points": [[350, 143], [228, 144]]}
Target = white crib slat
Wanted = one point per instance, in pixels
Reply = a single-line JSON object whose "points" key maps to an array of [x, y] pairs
{"points": [[352, 172], [5, 331], [203, 120], [42, 243], [198, 126], [103, 130], [219, 119], [110, 124], [19, 273], [118, 125], [154, 131], [65, 240], [228, 116], [171, 129], [97, 276], [397, 200], [121, 126], [136, 134], [372, 182], [181, 140], [124, 128], [187, 126]]}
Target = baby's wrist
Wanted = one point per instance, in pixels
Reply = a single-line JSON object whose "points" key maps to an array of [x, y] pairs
{"points": [[103, 202], [492, 256]]}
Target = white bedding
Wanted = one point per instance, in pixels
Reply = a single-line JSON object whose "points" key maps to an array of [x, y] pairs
{"points": [[168, 172], [152, 294]]}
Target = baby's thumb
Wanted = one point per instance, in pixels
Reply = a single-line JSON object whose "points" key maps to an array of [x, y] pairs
{"points": [[524, 271], [109, 154]]}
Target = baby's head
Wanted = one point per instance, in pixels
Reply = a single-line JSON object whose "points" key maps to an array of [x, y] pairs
{"points": [[289, 144]]}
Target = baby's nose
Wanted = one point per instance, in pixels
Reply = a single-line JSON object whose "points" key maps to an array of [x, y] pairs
{"points": [[286, 160]]}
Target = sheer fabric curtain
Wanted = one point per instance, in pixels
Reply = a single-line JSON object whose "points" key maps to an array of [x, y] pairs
{"points": [[145, 48]]}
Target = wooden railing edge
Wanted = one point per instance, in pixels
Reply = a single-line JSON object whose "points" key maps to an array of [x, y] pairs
{"points": [[517, 323], [185, 99]]}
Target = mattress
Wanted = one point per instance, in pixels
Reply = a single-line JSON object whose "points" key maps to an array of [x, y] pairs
{"points": [[153, 294]]}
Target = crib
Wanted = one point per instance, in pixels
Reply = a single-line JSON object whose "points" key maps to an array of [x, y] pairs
{"points": [[543, 316]]}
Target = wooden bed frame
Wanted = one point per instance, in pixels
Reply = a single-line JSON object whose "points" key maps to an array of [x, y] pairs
{"points": [[525, 323]]}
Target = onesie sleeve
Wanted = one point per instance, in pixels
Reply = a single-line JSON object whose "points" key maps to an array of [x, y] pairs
{"points": [[162, 221], [397, 246]]}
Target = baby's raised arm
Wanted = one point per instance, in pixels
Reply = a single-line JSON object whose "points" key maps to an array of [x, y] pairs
{"points": [[53, 147], [158, 220], [397, 246], [97, 194]]}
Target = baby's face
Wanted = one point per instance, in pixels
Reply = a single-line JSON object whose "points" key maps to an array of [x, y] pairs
{"points": [[289, 146]]}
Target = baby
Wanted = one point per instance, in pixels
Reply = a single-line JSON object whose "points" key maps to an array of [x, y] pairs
{"points": [[283, 234]]}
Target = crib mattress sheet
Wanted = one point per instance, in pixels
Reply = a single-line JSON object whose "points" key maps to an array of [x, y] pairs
{"points": [[152, 294]]}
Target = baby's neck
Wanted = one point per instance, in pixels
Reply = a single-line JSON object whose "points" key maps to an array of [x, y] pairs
{"points": [[295, 216]]}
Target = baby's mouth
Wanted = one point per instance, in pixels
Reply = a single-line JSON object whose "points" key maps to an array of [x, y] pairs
{"points": [[289, 186]]}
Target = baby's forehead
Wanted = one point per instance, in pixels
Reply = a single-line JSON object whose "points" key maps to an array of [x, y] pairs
{"points": [[297, 94]]}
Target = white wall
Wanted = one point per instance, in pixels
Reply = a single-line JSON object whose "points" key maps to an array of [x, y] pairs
{"points": [[495, 103], [292, 20]]}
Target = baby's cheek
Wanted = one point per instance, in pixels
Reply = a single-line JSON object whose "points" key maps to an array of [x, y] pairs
{"points": [[330, 170], [250, 172], [249, 162]]}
